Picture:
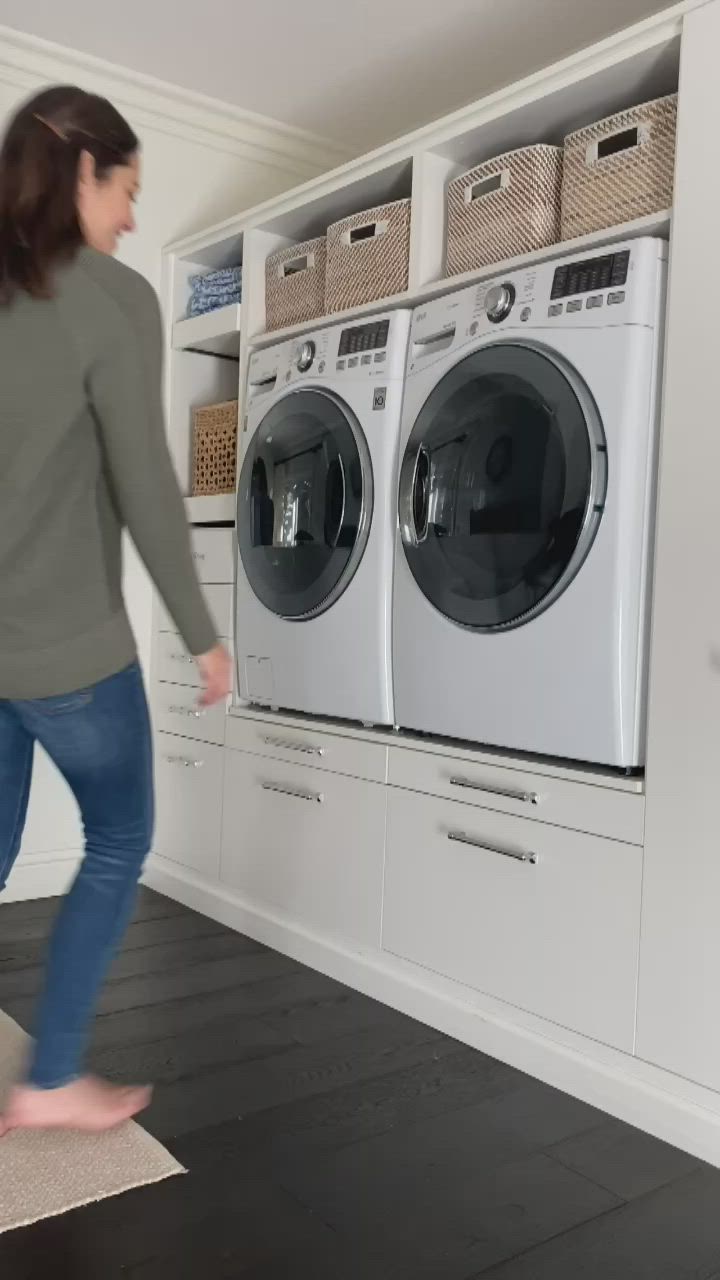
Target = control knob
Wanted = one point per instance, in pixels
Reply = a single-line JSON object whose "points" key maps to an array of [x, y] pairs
{"points": [[499, 302], [305, 356]]}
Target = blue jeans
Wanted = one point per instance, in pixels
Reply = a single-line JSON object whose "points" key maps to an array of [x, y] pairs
{"points": [[100, 740]]}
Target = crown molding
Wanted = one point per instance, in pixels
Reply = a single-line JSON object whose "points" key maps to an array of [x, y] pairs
{"points": [[27, 62]]}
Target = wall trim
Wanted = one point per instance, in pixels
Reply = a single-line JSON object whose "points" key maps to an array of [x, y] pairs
{"points": [[669, 1108], [41, 877], [26, 62]]}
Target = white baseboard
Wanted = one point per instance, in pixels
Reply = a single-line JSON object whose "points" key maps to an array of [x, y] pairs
{"points": [[674, 1110], [31, 878]]}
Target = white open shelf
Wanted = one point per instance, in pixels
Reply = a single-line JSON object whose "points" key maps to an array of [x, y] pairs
{"points": [[656, 224], [215, 508], [217, 333]]}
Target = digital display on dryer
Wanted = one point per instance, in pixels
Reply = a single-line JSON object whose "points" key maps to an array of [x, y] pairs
{"points": [[606, 272], [364, 337]]}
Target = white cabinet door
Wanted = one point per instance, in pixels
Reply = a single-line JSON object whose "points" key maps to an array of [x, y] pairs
{"points": [[53, 822], [188, 779], [305, 844], [544, 918], [678, 1020]]}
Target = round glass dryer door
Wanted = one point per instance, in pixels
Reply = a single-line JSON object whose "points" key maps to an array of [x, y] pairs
{"points": [[304, 504], [502, 486]]}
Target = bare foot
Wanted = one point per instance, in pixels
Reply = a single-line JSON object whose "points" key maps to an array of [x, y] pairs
{"points": [[89, 1104]]}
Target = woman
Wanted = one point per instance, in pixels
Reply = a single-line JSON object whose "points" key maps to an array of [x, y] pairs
{"points": [[82, 456]]}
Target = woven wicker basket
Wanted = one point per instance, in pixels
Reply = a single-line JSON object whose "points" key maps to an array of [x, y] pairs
{"points": [[619, 169], [295, 284], [214, 457], [506, 206], [368, 256]]}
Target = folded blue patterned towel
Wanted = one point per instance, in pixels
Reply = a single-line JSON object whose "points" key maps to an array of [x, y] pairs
{"points": [[214, 289]]}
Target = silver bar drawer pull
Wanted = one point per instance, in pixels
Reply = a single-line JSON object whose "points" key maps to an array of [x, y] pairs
{"points": [[461, 837], [523, 797], [304, 748], [185, 762], [315, 797]]}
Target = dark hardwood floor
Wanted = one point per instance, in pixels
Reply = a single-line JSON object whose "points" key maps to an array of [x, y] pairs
{"points": [[327, 1137]]}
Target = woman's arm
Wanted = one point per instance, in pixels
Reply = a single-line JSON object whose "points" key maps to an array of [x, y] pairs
{"points": [[124, 385]]}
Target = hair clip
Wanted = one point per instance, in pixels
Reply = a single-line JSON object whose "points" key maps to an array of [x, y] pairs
{"points": [[52, 127]]}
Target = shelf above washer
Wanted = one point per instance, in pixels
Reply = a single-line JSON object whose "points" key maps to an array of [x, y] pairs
{"points": [[217, 333], [656, 224]]}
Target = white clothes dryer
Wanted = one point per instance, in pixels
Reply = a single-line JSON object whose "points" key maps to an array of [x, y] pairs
{"points": [[315, 521], [526, 500]]}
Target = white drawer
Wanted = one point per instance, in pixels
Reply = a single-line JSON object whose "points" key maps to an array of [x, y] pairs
{"points": [[311, 746], [558, 937], [188, 779], [174, 663], [620, 815], [177, 711], [305, 844], [213, 551], [220, 602]]}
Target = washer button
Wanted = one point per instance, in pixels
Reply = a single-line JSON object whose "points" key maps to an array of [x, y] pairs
{"points": [[595, 301], [556, 309], [353, 363], [575, 305], [614, 298], [380, 357], [366, 360], [340, 365]]}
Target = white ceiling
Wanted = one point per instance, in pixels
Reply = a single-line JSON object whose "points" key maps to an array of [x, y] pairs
{"points": [[359, 71]]}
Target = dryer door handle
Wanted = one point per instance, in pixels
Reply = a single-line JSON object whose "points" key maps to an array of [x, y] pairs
{"points": [[418, 500]]}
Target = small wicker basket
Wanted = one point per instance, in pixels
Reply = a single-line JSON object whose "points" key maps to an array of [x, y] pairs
{"points": [[295, 284], [214, 451], [620, 168], [507, 206], [368, 256]]}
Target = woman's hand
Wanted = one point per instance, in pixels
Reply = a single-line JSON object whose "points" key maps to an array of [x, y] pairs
{"points": [[216, 670]]}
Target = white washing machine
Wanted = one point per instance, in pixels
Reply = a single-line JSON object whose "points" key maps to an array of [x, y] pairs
{"points": [[526, 497], [316, 518]]}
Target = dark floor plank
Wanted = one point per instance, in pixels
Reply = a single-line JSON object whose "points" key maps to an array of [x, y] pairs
{"points": [[626, 1161], [241, 1089], [342, 1012], [447, 1195], [672, 1234], [329, 1138], [158, 988], [25, 980], [445, 1078]]}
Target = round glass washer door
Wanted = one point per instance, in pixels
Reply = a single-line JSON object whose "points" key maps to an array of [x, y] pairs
{"points": [[305, 503], [502, 486]]}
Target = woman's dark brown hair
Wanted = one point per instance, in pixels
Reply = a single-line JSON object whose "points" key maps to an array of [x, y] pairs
{"points": [[39, 225]]}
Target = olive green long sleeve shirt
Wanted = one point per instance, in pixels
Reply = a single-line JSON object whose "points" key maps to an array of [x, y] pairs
{"points": [[83, 455]]}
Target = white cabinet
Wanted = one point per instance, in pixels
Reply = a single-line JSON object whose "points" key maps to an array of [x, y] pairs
{"points": [[177, 710], [305, 844], [544, 918], [310, 745], [188, 778], [617, 812], [678, 1020]]}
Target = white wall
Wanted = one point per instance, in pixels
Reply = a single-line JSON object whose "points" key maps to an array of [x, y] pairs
{"points": [[200, 165]]}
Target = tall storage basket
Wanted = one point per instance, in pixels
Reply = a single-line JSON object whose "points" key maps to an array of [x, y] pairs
{"points": [[214, 452], [504, 207], [368, 256], [620, 168], [295, 284]]}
